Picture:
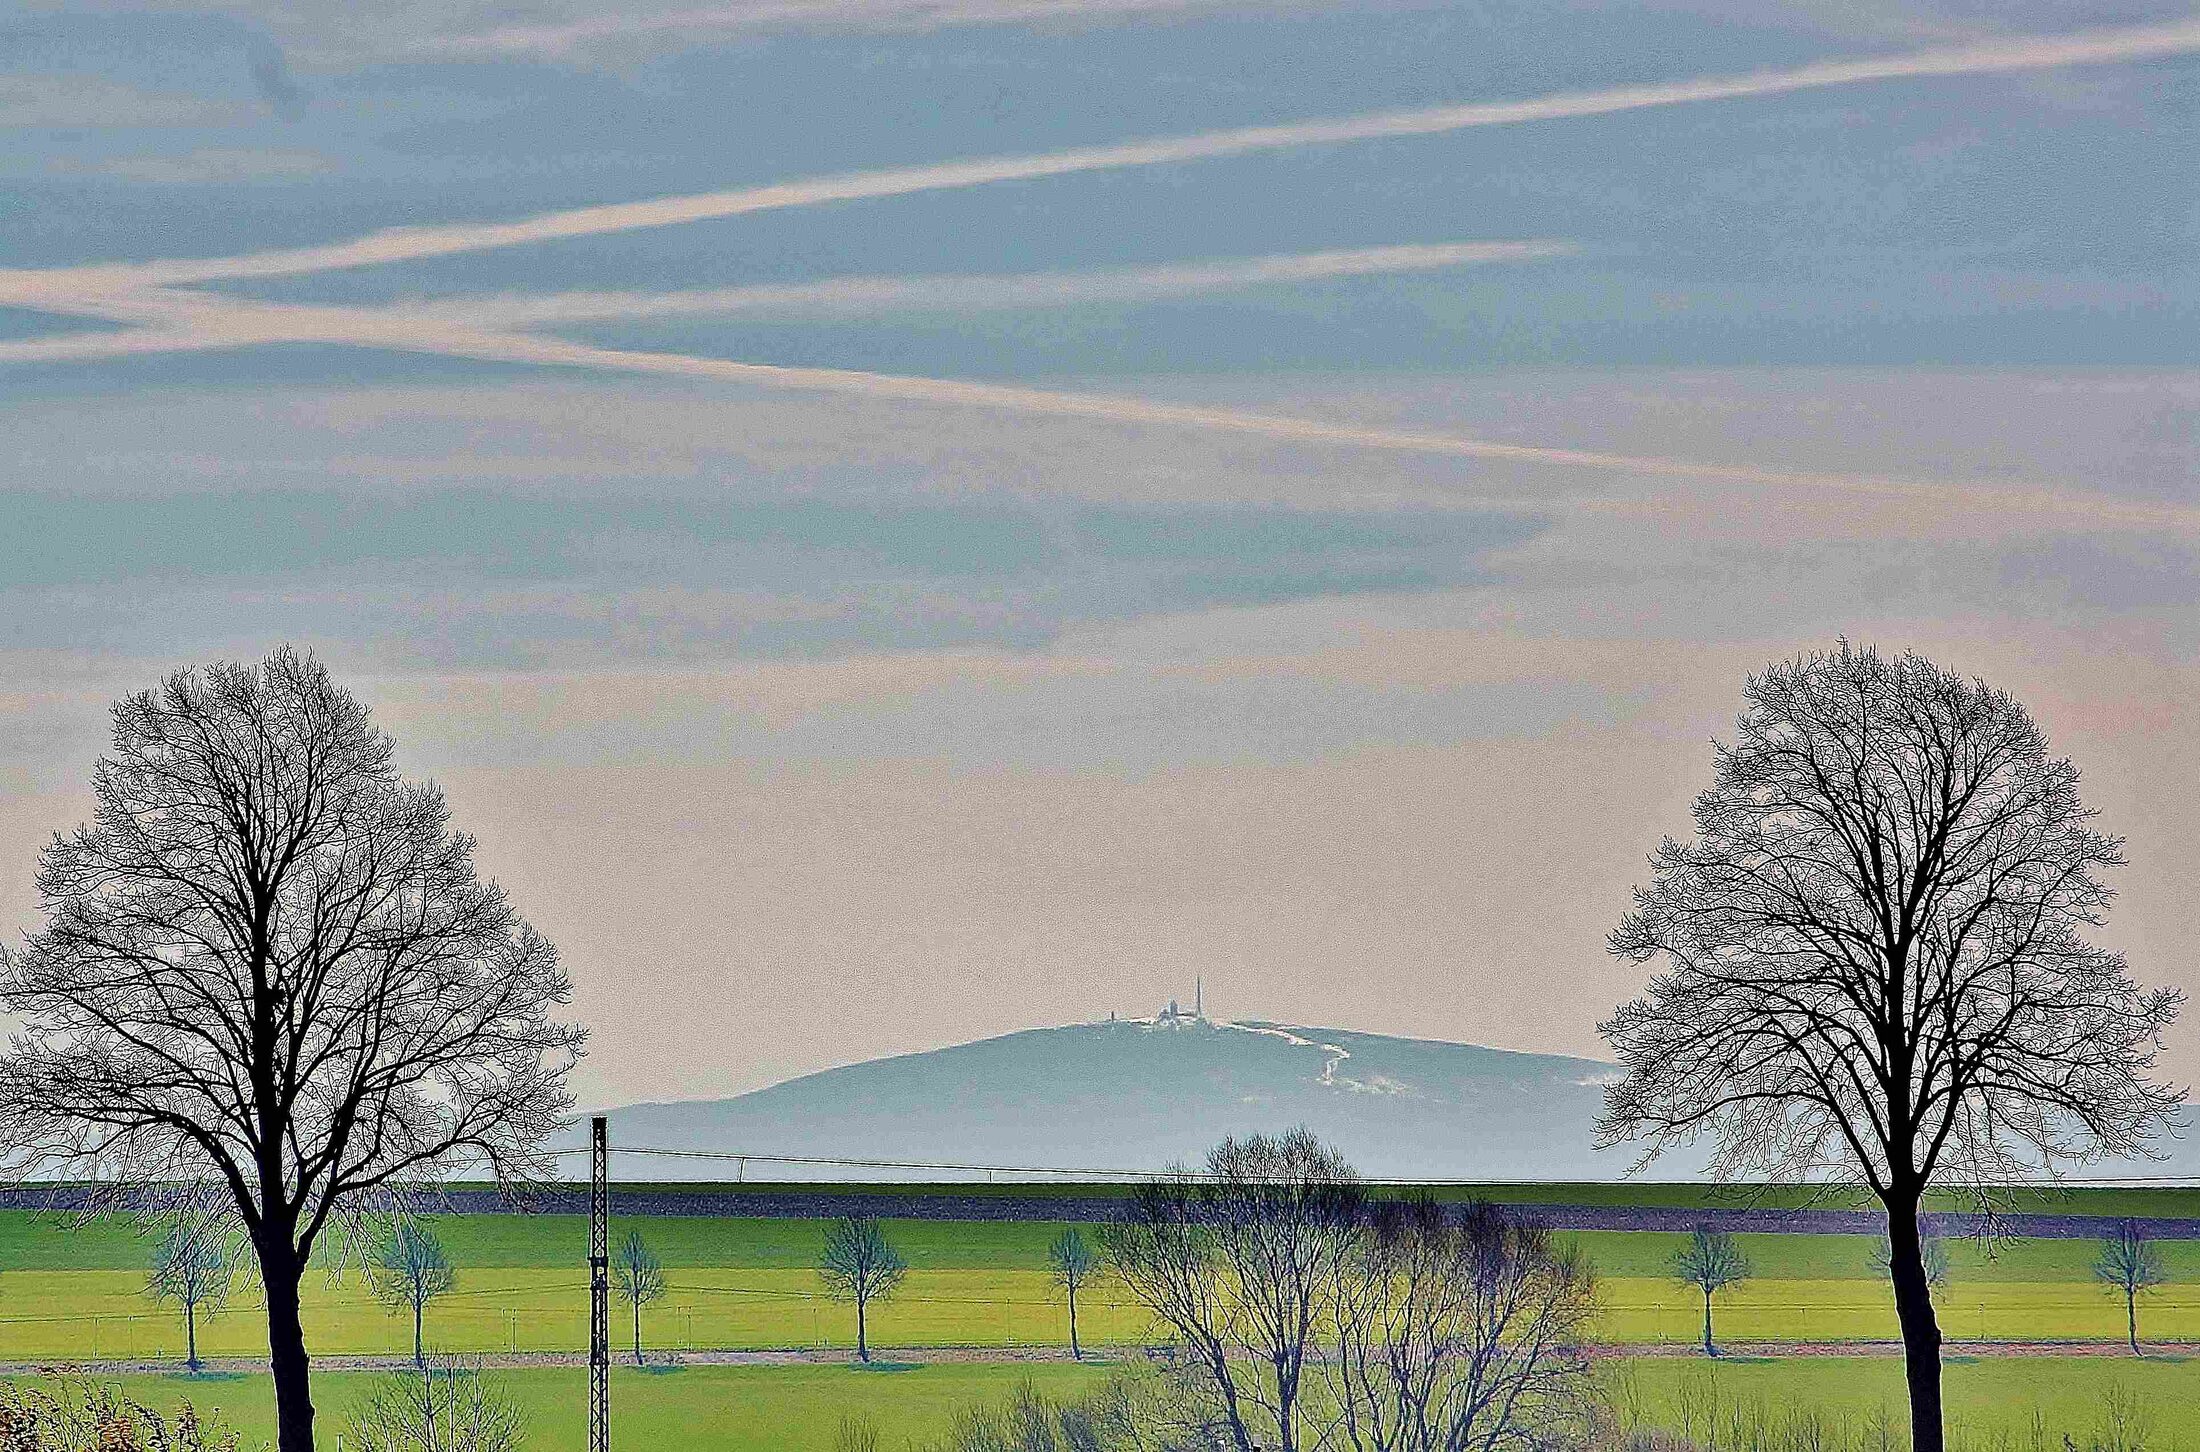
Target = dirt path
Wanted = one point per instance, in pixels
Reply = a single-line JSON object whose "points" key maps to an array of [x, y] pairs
{"points": [[1736, 1351]]}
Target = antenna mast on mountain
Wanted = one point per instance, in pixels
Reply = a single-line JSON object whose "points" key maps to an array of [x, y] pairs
{"points": [[1199, 997]]}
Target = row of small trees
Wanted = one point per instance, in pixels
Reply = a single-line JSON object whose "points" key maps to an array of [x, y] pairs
{"points": [[860, 1265], [194, 1267], [196, 1263], [2128, 1261]]}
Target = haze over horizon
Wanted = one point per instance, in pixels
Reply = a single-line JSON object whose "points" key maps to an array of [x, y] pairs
{"points": [[1314, 558]]}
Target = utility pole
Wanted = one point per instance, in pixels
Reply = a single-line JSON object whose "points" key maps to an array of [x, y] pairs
{"points": [[599, 1287]]}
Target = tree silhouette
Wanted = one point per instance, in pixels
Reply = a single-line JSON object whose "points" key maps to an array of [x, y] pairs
{"points": [[639, 1278], [1243, 1263], [860, 1264], [1710, 1260], [2132, 1263], [194, 1265], [409, 1269], [1075, 1262], [1875, 962], [269, 967]]}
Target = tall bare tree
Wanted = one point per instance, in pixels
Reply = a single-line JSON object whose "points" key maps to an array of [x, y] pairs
{"points": [[194, 1265], [859, 1264], [1243, 1264], [1460, 1329], [1075, 1261], [268, 966], [1710, 1260], [639, 1278], [1875, 960], [407, 1270], [2130, 1261]]}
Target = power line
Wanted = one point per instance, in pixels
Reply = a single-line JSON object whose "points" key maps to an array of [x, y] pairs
{"points": [[1133, 1176]]}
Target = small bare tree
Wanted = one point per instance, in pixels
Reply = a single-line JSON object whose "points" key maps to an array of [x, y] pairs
{"points": [[1875, 961], [1459, 1329], [1710, 1260], [1932, 1253], [1243, 1265], [639, 1278], [194, 1265], [408, 1269], [451, 1407], [859, 1264], [1075, 1262], [268, 966], [2130, 1261]]}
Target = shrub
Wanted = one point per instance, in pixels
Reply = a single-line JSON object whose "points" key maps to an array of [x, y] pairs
{"points": [[85, 1416]]}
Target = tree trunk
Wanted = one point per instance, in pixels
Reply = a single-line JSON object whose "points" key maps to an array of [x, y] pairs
{"points": [[281, 1269], [1913, 1305], [1708, 1348], [191, 1335], [863, 1344], [637, 1332], [1074, 1353], [2131, 1318], [420, 1349]]}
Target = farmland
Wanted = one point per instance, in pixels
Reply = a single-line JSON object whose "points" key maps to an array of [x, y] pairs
{"points": [[77, 1292]]}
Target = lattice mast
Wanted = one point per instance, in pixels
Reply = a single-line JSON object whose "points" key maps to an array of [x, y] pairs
{"points": [[599, 1286]]}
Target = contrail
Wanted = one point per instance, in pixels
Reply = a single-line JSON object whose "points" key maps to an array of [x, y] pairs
{"points": [[979, 292], [2092, 47], [773, 14], [205, 322]]}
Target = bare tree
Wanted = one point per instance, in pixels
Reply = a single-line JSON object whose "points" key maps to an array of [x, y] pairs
{"points": [[1075, 1261], [1243, 1265], [1932, 1252], [452, 1407], [1875, 961], [1459, 1329], [2132, 1263], [408, 1269], [194, 1265], [860, 1264], [1710, 1260], [268, 965], [639, 1278]]}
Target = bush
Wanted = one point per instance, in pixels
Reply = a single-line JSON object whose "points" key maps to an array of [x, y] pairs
{"points": [[84, 1416], [450, 1407]]}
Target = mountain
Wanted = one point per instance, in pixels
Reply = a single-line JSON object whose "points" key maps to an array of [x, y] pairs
{"points": [[1141, 1094]]}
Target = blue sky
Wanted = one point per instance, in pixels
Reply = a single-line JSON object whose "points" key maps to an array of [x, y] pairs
{"points": [[1337, 603]]}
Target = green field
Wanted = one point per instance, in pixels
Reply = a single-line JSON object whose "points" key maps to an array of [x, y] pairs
{"points": [[78, 1292], [799, 1408]]}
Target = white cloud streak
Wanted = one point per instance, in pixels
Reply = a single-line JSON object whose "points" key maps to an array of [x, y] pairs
{"points": [[2094, 47], [142, 293], [202, 321], [565, 37], [837, 297]]}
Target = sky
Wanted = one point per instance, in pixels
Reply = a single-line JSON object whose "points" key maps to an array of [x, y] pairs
{"points": [[895, 521]]}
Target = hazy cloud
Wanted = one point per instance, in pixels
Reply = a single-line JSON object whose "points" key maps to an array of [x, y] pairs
{"points": [[211, 166], [90, 102]]}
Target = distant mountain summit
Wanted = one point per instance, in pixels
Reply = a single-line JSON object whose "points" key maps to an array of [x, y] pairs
{"points": [[1141, 1094]]}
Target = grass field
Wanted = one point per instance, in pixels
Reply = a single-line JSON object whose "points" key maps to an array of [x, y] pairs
{"points": [[798, 1409], [78, 1292]]}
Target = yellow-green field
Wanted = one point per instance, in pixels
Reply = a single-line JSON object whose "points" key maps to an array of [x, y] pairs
{"points": [[747, 1285]]}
